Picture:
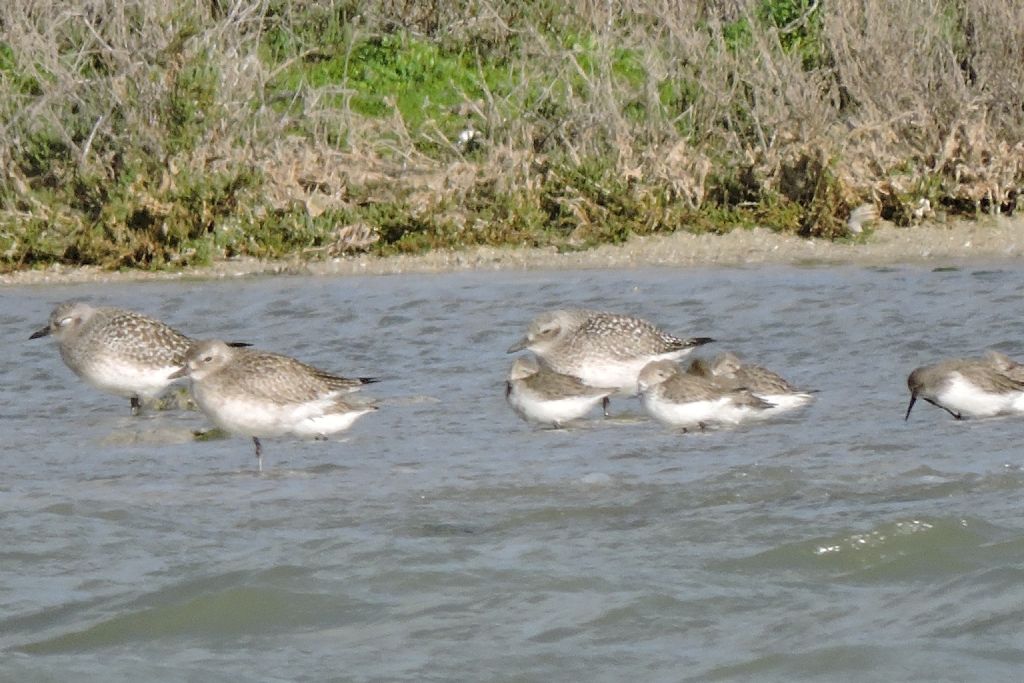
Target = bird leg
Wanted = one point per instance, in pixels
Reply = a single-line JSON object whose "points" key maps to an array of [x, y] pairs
{"points": [[259, 453], [605, 402], [956, 416], [136, 405]]}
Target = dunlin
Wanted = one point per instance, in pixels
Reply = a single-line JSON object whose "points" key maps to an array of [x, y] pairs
{"points": [[680, 399], [726, 368], [117, 351], [260, 394], [538, 394], [969, 387], [602, 349]]}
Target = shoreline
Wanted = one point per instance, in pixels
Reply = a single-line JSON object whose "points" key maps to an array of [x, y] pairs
{"points": [[961, 241]]}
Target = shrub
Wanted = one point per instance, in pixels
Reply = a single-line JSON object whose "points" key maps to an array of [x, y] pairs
{"points": [[138, 133]]}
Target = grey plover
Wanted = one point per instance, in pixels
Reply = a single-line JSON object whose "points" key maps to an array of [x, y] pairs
{"points": [[602, 349], [538, 394], [726, 368], [969, 387], [679, 399], [260, 394], [117, 351]]}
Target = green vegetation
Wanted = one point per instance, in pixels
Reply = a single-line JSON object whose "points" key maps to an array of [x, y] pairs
{"points": [[154, 135]]}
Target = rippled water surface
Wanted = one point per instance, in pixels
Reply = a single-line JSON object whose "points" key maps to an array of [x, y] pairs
{"points": [[444, 539]]}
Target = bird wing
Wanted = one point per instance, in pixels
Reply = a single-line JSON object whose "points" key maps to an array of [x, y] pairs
{"points": [[628, 337], [279, 378], [762, 380], [684, 388], [561, 385], [133, 336], [990, 379], [743, 397]]}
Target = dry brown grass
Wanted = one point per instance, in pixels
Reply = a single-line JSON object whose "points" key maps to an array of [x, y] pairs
{"points": [[117, 116]]}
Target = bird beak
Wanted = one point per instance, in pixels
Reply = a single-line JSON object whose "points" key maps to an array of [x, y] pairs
{"points": [[41, 332], [913, 397], [180, 372], [519, 345]]}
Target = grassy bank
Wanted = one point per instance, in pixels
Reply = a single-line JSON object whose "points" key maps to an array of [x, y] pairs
{"points": [[141, 134]]}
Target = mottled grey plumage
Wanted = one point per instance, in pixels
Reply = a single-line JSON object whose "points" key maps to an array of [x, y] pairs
{"points": [[602, 349], [257, 393], [626, 337], [729, 371], [726, 367], [547, 383], [540, 394], [682, 399], [1006, 365], [701, 367], [116, 350], [270, 376], [969, 387], [680, 387]]}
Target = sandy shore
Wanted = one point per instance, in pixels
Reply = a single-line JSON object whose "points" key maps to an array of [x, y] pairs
{"points": [[990, 239]]}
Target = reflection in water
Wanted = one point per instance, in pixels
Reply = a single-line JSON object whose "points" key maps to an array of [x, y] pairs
{"points": [[447, 539]]}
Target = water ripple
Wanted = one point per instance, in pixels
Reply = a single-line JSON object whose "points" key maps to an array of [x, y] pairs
{"points": [[444, 539]]}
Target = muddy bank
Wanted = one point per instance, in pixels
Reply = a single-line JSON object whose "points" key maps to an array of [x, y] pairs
{"points": [[990, 239]]}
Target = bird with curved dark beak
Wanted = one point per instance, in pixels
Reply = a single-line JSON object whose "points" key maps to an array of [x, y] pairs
{"points": [[969, 387]]}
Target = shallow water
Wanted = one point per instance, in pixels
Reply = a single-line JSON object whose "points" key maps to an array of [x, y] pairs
{"points": [[444, 539]]}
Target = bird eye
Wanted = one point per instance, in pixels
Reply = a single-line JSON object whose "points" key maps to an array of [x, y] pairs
{"points": [[207, 359]]}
